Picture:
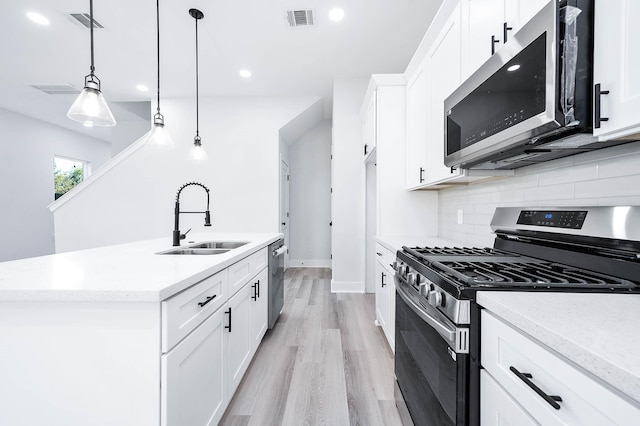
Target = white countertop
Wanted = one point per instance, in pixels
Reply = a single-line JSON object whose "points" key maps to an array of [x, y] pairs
{"points": [[598, 332], [130, 272]]}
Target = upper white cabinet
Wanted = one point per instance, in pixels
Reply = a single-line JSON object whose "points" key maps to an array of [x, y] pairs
{"points": [[617, 68], [491, 22], [417, 98], [437, 70], [369, 131]]}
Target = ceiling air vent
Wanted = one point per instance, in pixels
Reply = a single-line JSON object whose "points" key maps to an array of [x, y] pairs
{"points": [[84, 19], [56, 89], [300, 18]]}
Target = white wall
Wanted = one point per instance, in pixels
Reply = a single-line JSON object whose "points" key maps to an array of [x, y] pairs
{"points": [[310, 198], [134, 200], [27, 148], [605, 177], [348, 183]]}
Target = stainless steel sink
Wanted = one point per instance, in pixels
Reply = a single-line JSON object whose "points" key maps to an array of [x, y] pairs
{"points": [[195, 251], [218, 245]]}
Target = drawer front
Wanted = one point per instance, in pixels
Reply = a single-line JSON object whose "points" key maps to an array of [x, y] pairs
{"points": [[507, 352], [497, 407], [182, 313], [385, 256], [245, 269]]}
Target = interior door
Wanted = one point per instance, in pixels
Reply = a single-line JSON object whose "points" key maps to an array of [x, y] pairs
{"points": [[284, 207]]}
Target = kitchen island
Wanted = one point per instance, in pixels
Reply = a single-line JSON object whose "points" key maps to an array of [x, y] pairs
{"points": [[123, 335]]}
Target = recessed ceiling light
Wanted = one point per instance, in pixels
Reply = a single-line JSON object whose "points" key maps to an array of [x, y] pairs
{"points": [[142, 88], [245, 73], [513, 67], [336, 14], [37, 18]]}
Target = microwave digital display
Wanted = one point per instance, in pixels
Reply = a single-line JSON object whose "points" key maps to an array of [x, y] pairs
{"points": [[513, 94]]}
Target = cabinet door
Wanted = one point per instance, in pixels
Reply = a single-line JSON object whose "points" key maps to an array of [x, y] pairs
{"points": [[192, 391], [259, 287], [382, 297], [617, 66], [369, 125], [486, 19], [444, 63], [497, 407], [416, 129], [238, 335]]}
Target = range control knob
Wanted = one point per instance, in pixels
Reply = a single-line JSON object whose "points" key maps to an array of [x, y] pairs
{"points": [[404, 270], [435, 298], [395, 265], [411, 278]]}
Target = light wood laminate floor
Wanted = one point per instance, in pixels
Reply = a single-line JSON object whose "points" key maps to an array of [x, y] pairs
{"points": [[325, 362]]}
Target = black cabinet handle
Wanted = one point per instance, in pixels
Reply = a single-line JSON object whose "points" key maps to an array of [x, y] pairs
{"points": [[421, 175], [207, 300], [255, 292], [228, 327], [365, 149], [378, 253], [551, 399], [493, 44], [505, 29], [382, 279], [596, 106], [258, 289]]}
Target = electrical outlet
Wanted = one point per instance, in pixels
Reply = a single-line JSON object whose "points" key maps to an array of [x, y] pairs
{"points": [[460, 217]]}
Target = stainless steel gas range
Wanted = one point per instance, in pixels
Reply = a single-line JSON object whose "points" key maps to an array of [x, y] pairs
{"points": [[437, 360]]}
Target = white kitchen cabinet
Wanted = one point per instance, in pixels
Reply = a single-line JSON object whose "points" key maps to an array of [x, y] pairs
{"points": [[617, 67], [385, 293], [260, 305], [498, 407], [488, 23], [369, 128], [193, 391], [239, 338], [518, 363], [417, 99]]}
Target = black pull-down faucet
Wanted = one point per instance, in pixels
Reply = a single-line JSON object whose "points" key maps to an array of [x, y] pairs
{"points": [[177, 236]]}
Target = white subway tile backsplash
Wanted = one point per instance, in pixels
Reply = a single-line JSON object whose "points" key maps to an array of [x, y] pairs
{"points": [[610, 176]]}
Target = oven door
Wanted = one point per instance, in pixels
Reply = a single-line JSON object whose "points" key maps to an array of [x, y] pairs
{"points": [[432, 377]]}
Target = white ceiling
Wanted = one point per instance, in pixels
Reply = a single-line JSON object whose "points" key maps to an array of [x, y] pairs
{"points": [[376, 36]]}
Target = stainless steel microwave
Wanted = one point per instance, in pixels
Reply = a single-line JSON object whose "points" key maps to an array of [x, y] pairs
{"points": [[531, 101]]}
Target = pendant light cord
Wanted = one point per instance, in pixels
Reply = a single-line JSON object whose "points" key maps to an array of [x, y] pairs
{"points": [[91, 32], [158, 40], [197, 101]]}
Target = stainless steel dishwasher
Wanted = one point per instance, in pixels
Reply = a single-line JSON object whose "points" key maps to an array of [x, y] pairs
{"points": [[276, 280]]}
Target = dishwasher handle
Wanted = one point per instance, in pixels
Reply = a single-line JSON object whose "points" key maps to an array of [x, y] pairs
{"points": [[280, 251]]}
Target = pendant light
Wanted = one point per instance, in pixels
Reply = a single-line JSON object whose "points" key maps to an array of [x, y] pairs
{"points": [[90, 107], [197, 152], [158, 136]]}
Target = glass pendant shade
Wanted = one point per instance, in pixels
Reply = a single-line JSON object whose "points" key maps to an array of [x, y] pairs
{"points": [[197, 152], [90, 107], [158, 136]]}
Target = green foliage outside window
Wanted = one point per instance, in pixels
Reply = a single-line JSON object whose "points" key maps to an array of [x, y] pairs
{"points": [[65, 180]]}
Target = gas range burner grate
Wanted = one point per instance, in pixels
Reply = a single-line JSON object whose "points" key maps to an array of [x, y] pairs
{"points": [[458, 251], [529, 274]]}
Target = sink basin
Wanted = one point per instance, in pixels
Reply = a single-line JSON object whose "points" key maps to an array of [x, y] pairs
{"points": [[218, 245], [195, 251]]}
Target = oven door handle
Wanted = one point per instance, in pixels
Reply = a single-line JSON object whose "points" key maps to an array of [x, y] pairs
{"points": [[444, 330]]}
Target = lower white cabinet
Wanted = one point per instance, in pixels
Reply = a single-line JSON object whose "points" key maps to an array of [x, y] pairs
{"points": [[239, 344], [547, 387], [193, 391], [498, 407], [385, 293], [260, 307]]}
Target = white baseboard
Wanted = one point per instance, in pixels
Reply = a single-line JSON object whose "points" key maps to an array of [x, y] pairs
{"points": [[309, 263], [347, 287]]}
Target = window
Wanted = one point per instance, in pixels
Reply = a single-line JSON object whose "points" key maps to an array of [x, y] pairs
{"points": [[67, 173]]}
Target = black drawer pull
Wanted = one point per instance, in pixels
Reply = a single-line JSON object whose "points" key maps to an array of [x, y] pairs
{"points": [[258, 289], [551, 399], [228, 327], [382, 279], [255, 292], [421, 175], [209, 299], [597, 114]]}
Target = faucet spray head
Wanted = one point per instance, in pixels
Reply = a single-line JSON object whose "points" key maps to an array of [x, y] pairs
{"points": [[207, 218]]}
